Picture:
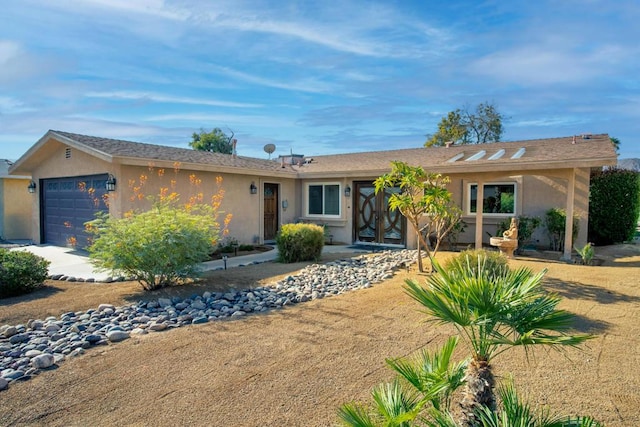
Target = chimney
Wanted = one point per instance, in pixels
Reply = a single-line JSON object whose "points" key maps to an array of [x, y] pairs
{"points": [[234, 153], [574, 139], [448, 144]]}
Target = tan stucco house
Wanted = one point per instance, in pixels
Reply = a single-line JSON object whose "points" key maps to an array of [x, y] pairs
{"points": [[334, 190], [15, 204]]}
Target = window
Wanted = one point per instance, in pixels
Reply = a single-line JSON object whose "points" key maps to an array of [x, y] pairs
{"points": [[499, 198], [323, 200]]}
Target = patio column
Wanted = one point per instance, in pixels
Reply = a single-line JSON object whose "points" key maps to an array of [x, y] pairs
{"points": [[568, 227], [479, 207]]}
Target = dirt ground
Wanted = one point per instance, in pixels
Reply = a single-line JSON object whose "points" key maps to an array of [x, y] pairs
{"points": [[296, 366]]}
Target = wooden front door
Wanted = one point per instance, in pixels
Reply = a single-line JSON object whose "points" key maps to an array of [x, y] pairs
{"points": [[270, 211], [374, 221]]}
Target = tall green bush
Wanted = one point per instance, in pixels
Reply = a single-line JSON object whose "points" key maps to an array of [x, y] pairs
{"points": [[555, 220], [21, 272], [300, 242], [614, 206]]}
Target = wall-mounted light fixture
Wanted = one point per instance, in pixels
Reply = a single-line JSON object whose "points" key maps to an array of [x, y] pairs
{"points": [[253, 189], [111, 183], [285, 204], [347, 191], [31, 187]]}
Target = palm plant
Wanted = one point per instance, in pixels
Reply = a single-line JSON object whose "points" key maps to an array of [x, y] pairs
{"points": [[517, 413], [493, 313], [429, 379]]}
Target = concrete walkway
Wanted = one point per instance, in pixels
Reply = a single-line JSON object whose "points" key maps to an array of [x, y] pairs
{"points": [[74, 263]]}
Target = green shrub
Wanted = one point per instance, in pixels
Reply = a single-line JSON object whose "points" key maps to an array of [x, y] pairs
{"points": [[586, 253], [555, 220], [21, 272], [526, 227], [614, 206], [157, 247], [246, 247], [493, 263], [227, 245], [300, 242]]}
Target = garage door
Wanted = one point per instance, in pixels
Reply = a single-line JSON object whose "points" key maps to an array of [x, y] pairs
{"points": [[67, 203]]}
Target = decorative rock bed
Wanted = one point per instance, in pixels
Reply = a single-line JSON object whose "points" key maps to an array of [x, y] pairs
{"points": [[25, 350]]}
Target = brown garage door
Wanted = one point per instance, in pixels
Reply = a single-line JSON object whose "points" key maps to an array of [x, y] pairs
{"points": [[66, 204]]}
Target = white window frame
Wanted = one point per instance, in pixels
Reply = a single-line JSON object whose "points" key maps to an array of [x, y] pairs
{"points": [[307, 199], [501, 214]]}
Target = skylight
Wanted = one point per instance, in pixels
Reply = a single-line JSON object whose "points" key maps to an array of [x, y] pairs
{"points": [[519, 153], [497, 154], [480, 154], [456, 157]]}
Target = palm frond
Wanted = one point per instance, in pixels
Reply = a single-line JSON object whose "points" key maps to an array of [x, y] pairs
{"points": [[429, 371], [354, 415], [515, 412], [393, 402]]}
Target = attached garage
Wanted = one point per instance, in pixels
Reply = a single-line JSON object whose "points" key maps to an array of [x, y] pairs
{"points": [[66, 204]]}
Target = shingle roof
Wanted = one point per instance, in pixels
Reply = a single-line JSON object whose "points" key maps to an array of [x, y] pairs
{"points": [[596, 150], [117, 148], [535, 154]]}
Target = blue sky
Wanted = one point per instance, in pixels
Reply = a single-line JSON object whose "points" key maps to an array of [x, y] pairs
{"points": [[315, 77]]}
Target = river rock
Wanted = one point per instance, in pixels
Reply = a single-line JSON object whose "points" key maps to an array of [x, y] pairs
{"points": [[117, 336], [43, 361]]}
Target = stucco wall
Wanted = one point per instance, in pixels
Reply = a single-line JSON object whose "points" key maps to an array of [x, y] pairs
{"points": [[16, 209], [247, 222], [246, 209], [535, 194]]}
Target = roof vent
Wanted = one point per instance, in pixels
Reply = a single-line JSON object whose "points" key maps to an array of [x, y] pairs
{"points": [[480, 154], [67, 153], [519, 153]]}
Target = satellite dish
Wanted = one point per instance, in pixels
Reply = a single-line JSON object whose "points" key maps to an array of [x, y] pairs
{"points": [[269, 148]]}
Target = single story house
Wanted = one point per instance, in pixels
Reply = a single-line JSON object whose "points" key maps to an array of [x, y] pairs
{"points": [[508, 178], [15, 204]]}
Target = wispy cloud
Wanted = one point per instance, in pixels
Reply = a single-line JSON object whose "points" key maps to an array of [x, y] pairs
{"points": [[155, 97], [317, 77]]}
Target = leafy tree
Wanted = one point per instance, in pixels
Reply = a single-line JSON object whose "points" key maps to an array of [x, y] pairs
{"points": [[463, 126], [616, 143], [215, 141], [493, 313], [424, 200]]}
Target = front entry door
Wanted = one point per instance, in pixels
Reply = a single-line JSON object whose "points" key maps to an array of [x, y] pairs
{"points": [[270, 211], [374, 221]]}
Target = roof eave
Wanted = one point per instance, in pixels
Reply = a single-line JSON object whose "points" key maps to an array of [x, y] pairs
{"points": [[467, 167], [22, 166], [203, 167]]}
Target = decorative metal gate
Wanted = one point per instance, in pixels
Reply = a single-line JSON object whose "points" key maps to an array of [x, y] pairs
{"points": [[374, 222]]}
